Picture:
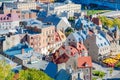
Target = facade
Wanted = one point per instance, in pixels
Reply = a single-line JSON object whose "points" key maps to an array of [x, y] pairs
{"points": [[59, 8], [10, 42], [100, 46], [9, 21], [67, 7], [20, 5], [80, 68], [43, 37], [28, 15]]}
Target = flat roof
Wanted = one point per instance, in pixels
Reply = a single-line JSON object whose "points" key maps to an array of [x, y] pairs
{"points": [[39, 65], [17, 49], [8, 61], [28, 55]]}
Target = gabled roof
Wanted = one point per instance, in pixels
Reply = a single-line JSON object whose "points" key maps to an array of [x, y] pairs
{"points": [[83, 23], [51, 69], [80, 35], [101, 41], [62, 75], [53, 19], [84, 62], [57, 21]]}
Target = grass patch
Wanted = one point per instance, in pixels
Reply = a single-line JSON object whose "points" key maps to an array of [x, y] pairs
{"points": [[92, 12]]}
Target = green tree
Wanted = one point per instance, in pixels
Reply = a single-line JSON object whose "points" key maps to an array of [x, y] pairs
{"points": [[109, 23], [106, 21], [5, 71], [33, 74], [118, 64], [116, 22], [68, 31], [100, 74]]}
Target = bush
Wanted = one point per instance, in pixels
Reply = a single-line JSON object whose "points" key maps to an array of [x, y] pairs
{"points": [[100, 74], [117, 65]]}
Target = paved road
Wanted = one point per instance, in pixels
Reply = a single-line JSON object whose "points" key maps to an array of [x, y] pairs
{"points": [[115, 74]]}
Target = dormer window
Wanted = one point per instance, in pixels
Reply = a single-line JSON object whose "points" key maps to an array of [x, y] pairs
{"points": [[69, 39], [4, 18], [105, 43], [7, 18]]}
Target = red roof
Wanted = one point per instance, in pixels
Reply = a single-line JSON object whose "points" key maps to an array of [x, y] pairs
{"points": [[84, 62], [81, 47], [62, 59]]}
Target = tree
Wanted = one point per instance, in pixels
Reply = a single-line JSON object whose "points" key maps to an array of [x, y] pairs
{"points": [[106, 21], [116, 22], [109, 23], [68, 31], [33, 74], [5, 71], [100, 74]]}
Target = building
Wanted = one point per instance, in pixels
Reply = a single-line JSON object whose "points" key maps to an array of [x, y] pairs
{"points": [[60, 8], [43, 37], [61, 23], [17, 49], [28, 15], [100, 46], [67, 6], [80, 68], [8, 42], [34, 60], [83, 23], [65, 52], [20, 5], [77, 64], [9, 21], [99, 43]]}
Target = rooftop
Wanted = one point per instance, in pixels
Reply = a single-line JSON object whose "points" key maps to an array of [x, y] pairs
{"points": [[84, 62], [39, 65], [17, 49], [101, 41], [25, 56], [8, 61]]}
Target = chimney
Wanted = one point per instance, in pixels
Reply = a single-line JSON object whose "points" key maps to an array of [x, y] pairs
{"points": [[22, 51]]}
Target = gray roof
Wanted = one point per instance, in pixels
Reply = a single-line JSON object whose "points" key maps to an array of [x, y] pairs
{"points": [[26, 56], [56, 20], [8, 61], [39, 65]]}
